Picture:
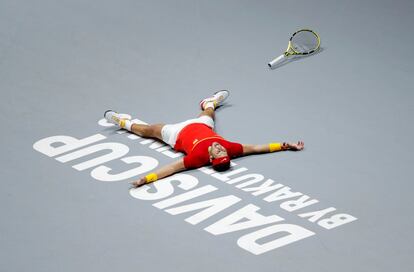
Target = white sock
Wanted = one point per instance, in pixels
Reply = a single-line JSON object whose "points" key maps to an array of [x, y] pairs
{"points": [[209, 104], [126, 124]]}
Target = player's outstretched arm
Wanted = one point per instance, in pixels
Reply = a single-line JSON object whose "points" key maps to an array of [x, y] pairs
{"points": [[272, 147], [162, 172]]}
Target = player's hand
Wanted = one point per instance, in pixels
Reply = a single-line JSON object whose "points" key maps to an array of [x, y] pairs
{"points": [[138, 183], [296, 147]]}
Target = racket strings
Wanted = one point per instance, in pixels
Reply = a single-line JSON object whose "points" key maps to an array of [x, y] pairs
{"points": [[304, 42]]}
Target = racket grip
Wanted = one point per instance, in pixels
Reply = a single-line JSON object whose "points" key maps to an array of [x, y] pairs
{"points": [[277, 60]]}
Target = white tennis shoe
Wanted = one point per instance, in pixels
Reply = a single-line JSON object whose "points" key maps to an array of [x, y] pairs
{"points": [[217, 99], [116, 118]]}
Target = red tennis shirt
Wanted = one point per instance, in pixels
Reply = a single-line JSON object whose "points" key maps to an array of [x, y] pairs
{"points": [[194, 140]]}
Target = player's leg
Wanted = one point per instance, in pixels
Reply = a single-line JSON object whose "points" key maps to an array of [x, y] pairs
{"points": [[147, 131], [208, 112], [209, 104]]}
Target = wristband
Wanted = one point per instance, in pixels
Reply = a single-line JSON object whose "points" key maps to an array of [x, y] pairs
{"points": [[151, 177], [275, 147]]}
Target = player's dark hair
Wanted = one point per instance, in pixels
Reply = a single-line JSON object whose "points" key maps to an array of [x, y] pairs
{"points": [[222, 166]]}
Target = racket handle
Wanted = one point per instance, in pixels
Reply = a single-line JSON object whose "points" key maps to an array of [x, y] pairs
{"points": [[277, 60]]}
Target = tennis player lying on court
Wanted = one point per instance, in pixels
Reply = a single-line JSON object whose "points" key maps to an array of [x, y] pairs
{"points": [[197, 139]]}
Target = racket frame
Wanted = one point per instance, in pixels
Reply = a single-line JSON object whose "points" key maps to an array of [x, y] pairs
{"points": [[290, 51]]}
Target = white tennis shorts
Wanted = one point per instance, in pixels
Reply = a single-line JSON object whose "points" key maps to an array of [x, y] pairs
{"points": [[169, 133]]}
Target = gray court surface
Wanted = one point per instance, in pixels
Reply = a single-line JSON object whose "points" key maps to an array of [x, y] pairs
{"points": [[63, 63]]}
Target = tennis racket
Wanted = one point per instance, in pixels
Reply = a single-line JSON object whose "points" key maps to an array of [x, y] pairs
{"points": [[302, 42]]}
